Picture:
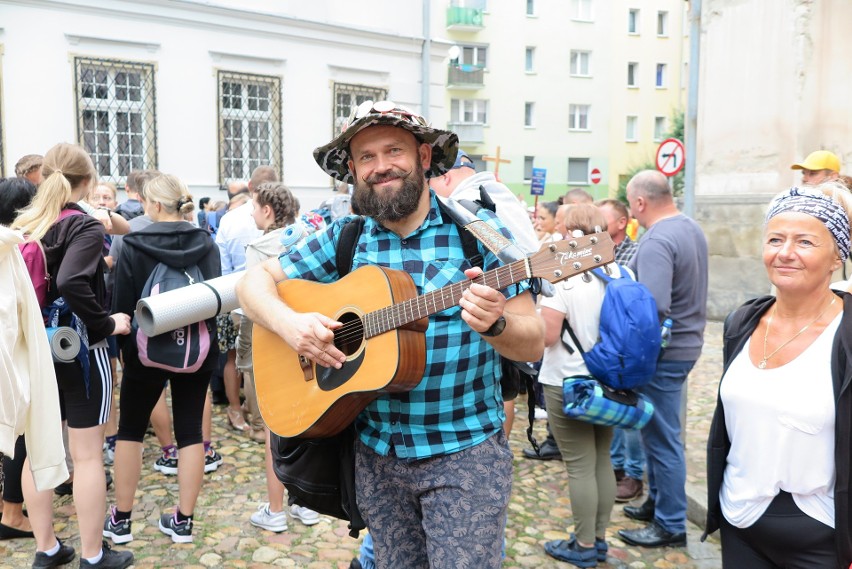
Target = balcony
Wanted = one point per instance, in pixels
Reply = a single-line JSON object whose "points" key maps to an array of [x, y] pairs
{"points": [[468, 132], [464, 76], [461, 19]]}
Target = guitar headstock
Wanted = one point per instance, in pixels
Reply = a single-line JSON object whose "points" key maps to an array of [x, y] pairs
{"points": [[560, 260]]}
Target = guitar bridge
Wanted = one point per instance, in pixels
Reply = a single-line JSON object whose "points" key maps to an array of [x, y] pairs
{"points": [[307, 369]]}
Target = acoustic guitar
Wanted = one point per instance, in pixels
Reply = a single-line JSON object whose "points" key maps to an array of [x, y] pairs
{"points": [[382, 336]]}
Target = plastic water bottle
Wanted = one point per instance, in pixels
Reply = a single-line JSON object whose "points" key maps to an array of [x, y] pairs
{"points": [[666, 333]]}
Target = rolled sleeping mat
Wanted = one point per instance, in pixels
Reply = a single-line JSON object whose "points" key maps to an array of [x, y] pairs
{"points": [[180, 307], [64, 343]]}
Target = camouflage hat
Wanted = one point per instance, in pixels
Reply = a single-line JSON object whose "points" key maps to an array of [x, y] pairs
{"points": [[333, 157]]}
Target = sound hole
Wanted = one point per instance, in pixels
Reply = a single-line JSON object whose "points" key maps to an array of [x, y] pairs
{"points": [[349, 337]]}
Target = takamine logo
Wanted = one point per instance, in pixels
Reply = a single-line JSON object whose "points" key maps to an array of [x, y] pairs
{"points": [[568, 256], [179, 336]]}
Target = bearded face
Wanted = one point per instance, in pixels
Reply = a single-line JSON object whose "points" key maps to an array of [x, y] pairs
{"points": [[389, 203]]}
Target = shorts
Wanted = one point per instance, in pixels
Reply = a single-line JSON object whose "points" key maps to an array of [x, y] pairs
{"points": [[227, 332], [80, 409]]}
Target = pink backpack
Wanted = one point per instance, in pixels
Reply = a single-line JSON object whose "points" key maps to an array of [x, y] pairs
{"points": [[36, 261]]}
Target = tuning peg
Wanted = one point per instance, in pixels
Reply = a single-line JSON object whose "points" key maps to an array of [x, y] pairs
{"points": [[587, 278], [607, 270]]}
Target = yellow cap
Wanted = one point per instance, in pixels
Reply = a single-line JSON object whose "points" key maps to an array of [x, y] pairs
{"points": [[819, 160]]}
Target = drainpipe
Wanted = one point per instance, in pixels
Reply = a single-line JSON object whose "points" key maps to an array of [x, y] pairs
{"points": [[691, 125], [425, 59]]}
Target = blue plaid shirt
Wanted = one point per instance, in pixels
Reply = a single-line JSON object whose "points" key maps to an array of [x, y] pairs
{"points": [[458, 403]]}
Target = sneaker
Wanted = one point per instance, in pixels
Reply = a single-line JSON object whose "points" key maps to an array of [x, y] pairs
{"points": [[304, 515], [212, 460], [168, 463], [628, 489], [111, 559], [64, 489], [572, 552], [265, 519], [117, 530], [181, 532], [61, 557]]}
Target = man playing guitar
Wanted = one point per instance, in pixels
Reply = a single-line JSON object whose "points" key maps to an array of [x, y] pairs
{"points": [[433, 467]]}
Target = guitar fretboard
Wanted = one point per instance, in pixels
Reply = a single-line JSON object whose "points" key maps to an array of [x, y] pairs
{"points": [[392, 317]]}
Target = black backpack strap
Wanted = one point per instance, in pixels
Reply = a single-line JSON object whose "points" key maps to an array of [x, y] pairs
{"points": [[485, 200], [347, 243], [470, 244]]}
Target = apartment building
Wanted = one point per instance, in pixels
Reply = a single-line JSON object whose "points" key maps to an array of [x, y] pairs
{"points": [[575, 86]]}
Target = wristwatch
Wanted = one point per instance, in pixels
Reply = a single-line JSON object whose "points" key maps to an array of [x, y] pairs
{"points": [[497, 328]]}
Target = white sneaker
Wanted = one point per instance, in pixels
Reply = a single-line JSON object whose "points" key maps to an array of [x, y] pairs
{"points": [[540, 413], [304, 515], [265, 519]]}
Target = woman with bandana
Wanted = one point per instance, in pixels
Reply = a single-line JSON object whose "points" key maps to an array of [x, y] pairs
{"points": [[779, 449]]}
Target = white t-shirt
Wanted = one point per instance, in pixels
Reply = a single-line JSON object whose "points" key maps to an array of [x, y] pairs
{"points": [[581, 302], [781, 425]]}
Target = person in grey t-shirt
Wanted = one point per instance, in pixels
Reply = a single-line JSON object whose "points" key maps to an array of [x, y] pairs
{"points": [[672, 262]]}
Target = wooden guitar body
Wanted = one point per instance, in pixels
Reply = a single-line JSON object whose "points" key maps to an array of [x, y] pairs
{"points": [[299, 399], [382, 336]]}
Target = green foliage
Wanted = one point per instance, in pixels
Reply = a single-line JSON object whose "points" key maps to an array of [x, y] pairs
{"points": [[676, 130]]}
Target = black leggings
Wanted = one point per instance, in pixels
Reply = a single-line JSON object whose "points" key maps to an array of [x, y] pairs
{"points": [[12, 470], [140, 390], [784, 537]]}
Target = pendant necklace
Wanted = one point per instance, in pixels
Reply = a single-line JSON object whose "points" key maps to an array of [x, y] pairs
{"points": [[762, 364]]}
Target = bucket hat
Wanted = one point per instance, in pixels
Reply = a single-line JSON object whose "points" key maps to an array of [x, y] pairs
{"points": [[333, 157]]}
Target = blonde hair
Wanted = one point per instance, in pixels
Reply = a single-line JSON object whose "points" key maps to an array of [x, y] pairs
{"points": [[585, 217], [107, 184], [65, 168], [170, 192]]}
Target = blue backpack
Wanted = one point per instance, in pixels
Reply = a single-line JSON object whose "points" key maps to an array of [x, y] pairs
{"points": [[625, 356]]}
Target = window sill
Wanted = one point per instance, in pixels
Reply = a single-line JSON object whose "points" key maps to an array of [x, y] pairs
{"points": [[529, 127], [580, 76], [661, 88], [579, 130], [633, 86], [528, 72], [631, 141], [579, 183]]}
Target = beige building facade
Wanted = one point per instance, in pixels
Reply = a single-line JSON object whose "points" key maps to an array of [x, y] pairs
{"points": [[769, 94], [572, 86]]}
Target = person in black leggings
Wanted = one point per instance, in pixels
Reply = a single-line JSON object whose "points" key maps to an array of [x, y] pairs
{"points": [[172, 241]]}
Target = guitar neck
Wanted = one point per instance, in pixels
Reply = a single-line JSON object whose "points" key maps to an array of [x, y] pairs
{"points": [[397, 315]]}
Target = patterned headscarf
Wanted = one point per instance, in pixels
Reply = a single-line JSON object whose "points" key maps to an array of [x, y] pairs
{"points": [[818, 205]]}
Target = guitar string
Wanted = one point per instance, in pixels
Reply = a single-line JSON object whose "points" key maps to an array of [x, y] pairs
{"points": [[354, 329]]}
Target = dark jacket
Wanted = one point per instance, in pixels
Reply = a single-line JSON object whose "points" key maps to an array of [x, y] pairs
{"points": [[177, 244], [738, 328], [74, 250]]}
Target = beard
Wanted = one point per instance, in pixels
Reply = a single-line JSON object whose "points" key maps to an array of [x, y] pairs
{"points": [[389, 204]]}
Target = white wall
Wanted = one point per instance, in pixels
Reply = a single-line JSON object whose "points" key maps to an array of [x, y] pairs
{"points": [[308, 44]]}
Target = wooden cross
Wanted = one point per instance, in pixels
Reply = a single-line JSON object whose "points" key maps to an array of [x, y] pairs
{"points": [[497, 161]]}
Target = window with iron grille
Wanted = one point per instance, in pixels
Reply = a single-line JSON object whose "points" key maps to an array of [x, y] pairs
{"points": [[116, 115], [348, 97], [249, 124]]}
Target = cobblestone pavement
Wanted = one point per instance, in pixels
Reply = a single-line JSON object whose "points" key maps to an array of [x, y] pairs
{"points": [[539, 510]]}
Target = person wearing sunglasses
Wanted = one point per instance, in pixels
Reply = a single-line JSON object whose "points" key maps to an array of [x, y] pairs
{"points": [[441, 446]]}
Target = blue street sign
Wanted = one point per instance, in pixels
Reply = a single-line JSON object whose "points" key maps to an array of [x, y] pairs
{"points": [[538, 178]]}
